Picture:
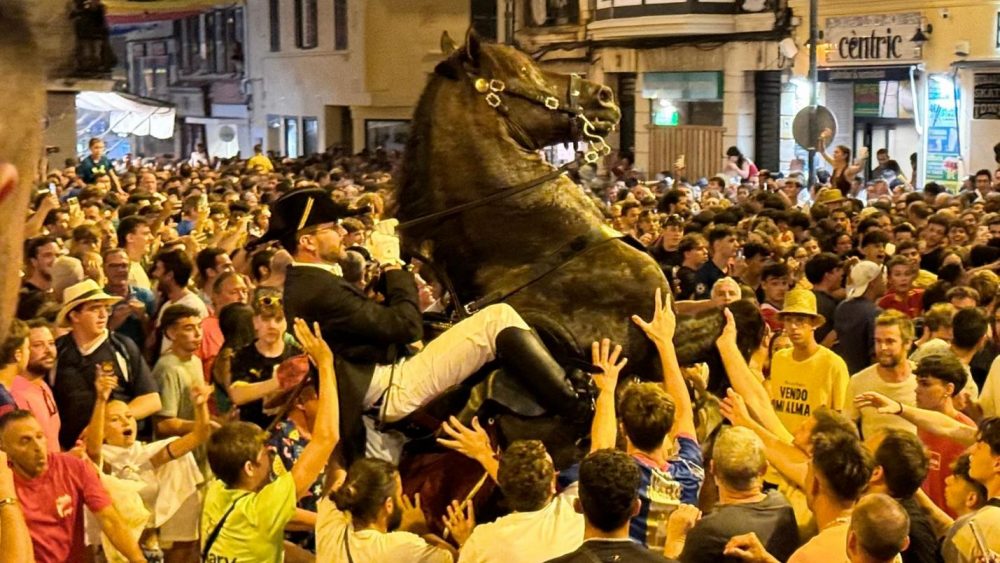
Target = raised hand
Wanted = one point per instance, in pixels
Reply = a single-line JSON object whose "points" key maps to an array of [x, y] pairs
{"points": [[879, 402], [660, 329], [728, 336], [734, 408], [681, 520], [106, 381], [606, 358], [473, 442], [413, 515], [313, 344], [458, 522]]}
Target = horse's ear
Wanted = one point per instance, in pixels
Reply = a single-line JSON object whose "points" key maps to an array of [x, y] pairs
{"points": [[473, 46], [448, 45]]}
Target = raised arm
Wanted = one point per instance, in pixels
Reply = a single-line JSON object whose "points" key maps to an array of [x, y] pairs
{"points": [[95, 430], [826, 135], [326, 429], [604, 429], [785, 457], [929, 421], [660, 329], [114, 527], [15, 540], [745, 383], [199, 434]]}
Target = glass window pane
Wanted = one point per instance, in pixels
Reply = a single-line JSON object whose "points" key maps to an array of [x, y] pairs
{"points": [[275, 14], [340, 25], [310, 136], [292, 137]]}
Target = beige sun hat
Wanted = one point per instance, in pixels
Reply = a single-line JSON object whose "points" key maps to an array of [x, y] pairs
{"points": [[802, 302], [78, 294]]}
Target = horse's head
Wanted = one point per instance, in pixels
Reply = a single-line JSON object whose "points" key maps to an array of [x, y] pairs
{"points": [[539, 107]]}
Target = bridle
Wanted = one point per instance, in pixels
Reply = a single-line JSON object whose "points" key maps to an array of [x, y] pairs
{"points": [[493, 88]]}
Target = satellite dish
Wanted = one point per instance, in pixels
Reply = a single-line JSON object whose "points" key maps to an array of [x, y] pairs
{"points": [[810, 122], [539, 11]]}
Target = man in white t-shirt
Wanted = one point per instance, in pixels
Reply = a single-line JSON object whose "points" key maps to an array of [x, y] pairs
{"points": [[370, 519], [891, 375], [543, 524]]}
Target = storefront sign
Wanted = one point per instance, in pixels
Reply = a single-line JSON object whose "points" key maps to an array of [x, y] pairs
{"points": [[986, 96], [859, 40], [942, 130]]}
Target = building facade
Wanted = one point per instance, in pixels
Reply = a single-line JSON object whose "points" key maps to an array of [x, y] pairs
{"points": [[693, 77], [917, 78], [347, 73]]}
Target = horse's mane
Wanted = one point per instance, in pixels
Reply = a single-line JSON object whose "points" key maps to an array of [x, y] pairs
{"points": [[415, 166]]}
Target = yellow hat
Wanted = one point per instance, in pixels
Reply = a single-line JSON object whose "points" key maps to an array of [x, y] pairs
{"points": [[829, 195], [802, 302]]}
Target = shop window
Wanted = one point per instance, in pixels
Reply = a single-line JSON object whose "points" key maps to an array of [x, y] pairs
{"points": [[684, 98], [484, 18], [274, 133]]}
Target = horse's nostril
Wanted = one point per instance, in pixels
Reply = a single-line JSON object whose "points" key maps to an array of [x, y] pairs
{"points": [[605, 95]]}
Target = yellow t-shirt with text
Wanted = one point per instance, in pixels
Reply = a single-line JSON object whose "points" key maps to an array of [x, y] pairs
{"points": [[799, 388]]}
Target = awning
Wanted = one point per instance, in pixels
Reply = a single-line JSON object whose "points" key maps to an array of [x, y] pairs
{"points": [[132, 11], [131, 115]]}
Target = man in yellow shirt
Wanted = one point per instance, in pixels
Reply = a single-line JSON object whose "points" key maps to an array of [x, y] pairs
{"points": [[807, 375], [259, 161]]}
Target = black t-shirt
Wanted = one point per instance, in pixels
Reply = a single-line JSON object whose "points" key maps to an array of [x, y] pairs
{"points": [[931, 261], [30, 300], [686, 281], [708, 274], [251, 366], [73, 387], [772, 519], [608, 551], [826, 304], [923, 542]]}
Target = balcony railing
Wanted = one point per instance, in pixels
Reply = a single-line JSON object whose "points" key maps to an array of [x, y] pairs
{"points": [[616, 9]]}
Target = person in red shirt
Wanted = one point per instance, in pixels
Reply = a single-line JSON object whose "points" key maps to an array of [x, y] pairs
{"points": [[902, 296], [52, 489], [939, 379]]}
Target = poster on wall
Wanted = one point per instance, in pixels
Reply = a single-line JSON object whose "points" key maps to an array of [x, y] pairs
{"points": [[986, 96], [942, 131]]}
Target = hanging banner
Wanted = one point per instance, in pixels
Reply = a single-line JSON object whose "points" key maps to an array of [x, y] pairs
{"points": [[986, 96], [943, 154]]}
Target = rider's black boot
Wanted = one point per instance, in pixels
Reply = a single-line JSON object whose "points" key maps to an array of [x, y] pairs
{"points": [[525, 357]]}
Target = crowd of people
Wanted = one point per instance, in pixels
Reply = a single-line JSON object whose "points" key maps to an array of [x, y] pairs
{"points": [[210, 356]]}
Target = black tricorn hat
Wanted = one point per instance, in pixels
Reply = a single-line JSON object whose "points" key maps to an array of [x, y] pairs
{"points": [[299, 209]]}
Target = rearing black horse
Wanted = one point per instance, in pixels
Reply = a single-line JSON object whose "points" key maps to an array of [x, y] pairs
{"points": [[476, 131]]}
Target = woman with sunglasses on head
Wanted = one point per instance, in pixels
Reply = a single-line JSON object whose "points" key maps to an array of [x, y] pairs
{"points": [[255, 367]]}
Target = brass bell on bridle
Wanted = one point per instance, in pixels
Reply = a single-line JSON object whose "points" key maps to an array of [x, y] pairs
{"points": [[482, 85]]}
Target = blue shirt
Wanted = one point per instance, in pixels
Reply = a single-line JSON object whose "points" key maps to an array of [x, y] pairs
{"points": [[7, 403], [662, 489]]}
